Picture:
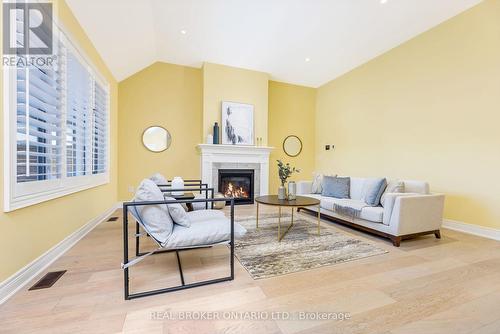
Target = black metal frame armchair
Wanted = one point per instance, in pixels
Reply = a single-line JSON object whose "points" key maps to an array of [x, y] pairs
{"points": [[127, 263]]}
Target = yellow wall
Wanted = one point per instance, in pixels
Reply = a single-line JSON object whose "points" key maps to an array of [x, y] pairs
{"points": [[167, 95], [429, 110], [29, 232], [291, 112], [225, 83]]}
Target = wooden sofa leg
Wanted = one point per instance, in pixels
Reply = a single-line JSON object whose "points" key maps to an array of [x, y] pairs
{"points": [[396, 241], [437, 233]]}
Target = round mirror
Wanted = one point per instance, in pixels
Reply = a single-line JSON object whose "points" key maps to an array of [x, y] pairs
{"points": [[292, 146], [156, 139]]}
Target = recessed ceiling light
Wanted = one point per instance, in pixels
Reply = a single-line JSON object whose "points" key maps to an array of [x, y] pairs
{"points": [[307, 60], [183, 32], [383, 1]]}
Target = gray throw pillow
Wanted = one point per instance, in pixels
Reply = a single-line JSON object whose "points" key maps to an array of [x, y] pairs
{"points": [[374, 191], [155, 218], [158, 179], [394, 186], [337, 187], [178, 213]]}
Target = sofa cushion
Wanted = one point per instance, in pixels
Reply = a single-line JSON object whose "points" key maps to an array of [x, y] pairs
{"points": [[394, 186], [155, 218], [203, 232], [419, 187], [372, 213], [356, 190], [373, 190], [337, 187], [177, 212]]}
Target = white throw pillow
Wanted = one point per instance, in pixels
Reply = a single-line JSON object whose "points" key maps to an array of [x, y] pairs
{"points": [[155, 218], [394, 186], [316, 187], [178, 213], [158, 179]]}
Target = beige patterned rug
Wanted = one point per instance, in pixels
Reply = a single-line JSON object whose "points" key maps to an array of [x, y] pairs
{"points": [[301, 249]]}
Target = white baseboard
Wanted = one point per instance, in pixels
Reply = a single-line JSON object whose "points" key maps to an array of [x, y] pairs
{"points": [[17, 281], [480, 231]]}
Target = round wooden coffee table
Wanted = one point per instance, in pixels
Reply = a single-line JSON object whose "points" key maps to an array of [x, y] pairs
{"points": [[300, 201]]}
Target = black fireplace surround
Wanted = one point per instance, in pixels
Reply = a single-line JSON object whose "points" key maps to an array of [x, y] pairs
{"points": [[237, 183]]}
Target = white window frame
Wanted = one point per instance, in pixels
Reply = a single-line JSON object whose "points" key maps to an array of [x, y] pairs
{"points": [[20, 195]]}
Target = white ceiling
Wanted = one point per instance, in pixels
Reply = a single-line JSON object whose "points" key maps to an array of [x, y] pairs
{"points": [[273, 36]]}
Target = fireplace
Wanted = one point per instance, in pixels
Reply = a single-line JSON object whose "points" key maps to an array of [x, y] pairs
{"points": [[237, 183]]}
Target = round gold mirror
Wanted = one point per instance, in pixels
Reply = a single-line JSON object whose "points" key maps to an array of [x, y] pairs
{"points": [[156, 139], [292, 145]]}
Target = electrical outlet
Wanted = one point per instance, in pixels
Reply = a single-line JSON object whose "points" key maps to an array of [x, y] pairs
{"points": [[327, 147], [131, 189]]}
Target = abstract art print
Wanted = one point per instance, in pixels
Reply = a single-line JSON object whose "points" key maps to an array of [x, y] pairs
{"points": [[237, 123]]}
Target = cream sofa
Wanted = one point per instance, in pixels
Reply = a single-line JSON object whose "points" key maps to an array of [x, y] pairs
{"points": [[404, 215]]}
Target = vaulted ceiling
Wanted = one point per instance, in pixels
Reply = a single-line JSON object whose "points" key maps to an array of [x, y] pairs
{"points": [[307, 42]]}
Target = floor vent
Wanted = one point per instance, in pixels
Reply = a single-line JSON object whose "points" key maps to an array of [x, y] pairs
{"points": [[112, 219], [48, 280]]}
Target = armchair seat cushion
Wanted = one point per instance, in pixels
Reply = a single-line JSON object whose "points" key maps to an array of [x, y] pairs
{"points": [[200, 215], [203, 232]]}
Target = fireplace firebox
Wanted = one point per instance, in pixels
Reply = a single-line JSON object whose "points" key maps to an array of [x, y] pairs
{"points": [[237, 183]]}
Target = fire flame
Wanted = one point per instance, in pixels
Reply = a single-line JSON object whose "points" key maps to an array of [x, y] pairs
{"points": [[233, 191]]}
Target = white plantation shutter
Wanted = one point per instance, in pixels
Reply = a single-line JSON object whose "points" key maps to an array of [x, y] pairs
{"points": [[78, 108], [100, 125], [58, 132], [39, 124]]}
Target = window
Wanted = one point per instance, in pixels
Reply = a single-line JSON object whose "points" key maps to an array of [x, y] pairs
{"points": [[56, 129]]}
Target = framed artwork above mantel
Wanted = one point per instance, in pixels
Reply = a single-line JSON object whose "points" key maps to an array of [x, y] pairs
{"points": [[237, 123]]}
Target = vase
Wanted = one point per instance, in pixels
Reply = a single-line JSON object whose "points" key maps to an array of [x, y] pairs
{"points": [[282, 192], [177, 183], [216, 133], [292, 190]]}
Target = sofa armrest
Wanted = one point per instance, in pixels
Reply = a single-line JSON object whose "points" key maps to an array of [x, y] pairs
{"points": [[416, 213], [304, 187]]}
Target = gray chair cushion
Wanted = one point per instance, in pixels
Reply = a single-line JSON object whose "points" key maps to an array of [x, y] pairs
{"points": [[337, 187], [155, 218], [203, 232], [373, 191], [178, 213], [201, 215]]}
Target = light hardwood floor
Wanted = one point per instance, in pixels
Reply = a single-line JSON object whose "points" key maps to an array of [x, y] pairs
{"points": [[427, 285]]}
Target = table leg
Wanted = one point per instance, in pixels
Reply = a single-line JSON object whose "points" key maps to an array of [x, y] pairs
{"points": [[257, 220], [292, 216], [279, 224], [319, 217]]}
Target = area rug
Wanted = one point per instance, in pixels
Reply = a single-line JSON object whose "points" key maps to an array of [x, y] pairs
{"points": [[301, 249]]}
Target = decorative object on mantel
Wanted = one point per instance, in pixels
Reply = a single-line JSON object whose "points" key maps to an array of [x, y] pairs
{"points": [[292, 190], [284, 172], [216, 133], [259, 141], [156, 139], [292, 146], [177, 183], [237, 123], [210, 139]]}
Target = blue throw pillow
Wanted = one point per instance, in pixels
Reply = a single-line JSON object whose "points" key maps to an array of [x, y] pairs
{"points": [[374, 192], [337, 187]]}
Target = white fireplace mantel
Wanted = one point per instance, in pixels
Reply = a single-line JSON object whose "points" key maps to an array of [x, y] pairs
{"points": [[212, 154]]}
